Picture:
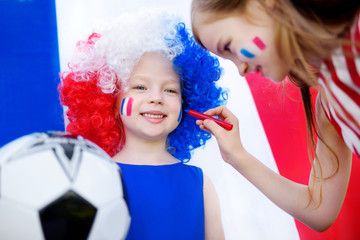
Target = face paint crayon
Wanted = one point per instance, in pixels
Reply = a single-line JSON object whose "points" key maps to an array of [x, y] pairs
{"points": [[226, 125], [126, 106]]}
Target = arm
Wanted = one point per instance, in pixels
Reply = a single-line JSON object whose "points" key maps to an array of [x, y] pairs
{"points": [[213, 223], [292, 197]]}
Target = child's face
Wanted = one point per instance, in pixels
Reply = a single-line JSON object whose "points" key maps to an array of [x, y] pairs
{"points": [[246, 40], [151, 106]]}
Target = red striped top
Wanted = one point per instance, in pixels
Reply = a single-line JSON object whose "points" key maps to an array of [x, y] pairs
{"points": [[340, 79]]}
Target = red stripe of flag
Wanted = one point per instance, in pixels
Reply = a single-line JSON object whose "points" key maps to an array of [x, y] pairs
{"points": [[129, 107]]}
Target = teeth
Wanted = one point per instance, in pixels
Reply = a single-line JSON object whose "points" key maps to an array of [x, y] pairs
{"points": [[148, 115]]}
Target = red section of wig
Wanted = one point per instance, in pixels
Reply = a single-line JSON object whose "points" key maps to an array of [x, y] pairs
{"points": [[91, 112]]}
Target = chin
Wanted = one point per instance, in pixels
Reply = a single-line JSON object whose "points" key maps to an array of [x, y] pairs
{"points": [[278, 78]]}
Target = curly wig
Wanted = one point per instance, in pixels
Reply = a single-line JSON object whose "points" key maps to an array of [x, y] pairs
{"points": [[102, 65]]}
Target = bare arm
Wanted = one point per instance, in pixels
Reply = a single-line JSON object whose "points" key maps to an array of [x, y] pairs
{"points": [[292, 197], [213, 223]]}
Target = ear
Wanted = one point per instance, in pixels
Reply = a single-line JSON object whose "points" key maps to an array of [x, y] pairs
{"points": [[270, 3]]}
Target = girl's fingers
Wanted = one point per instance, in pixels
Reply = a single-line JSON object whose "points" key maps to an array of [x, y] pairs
{"points": [[223, 113], [215, 111], [213, 127], [199, 122]]}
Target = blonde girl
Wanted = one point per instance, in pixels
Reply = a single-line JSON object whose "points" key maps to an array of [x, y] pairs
{"points": [[316, 45]]}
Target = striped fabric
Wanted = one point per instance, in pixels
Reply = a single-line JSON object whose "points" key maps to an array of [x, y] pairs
{"points": [[340, 79]]}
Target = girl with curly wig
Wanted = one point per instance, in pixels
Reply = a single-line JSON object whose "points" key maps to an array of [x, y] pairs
{"points": [[128, 90]]}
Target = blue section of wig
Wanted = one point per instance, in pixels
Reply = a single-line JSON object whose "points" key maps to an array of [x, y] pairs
{"points": [[199, 72]]}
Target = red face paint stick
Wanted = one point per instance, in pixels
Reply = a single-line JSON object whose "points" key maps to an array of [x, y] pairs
{"points": [[227, 126]]}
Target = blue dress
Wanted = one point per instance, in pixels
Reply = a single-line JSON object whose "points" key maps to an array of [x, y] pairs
{"points": [[165, 201]]}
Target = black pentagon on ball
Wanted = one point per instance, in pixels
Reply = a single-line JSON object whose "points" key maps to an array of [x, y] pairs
{"points": [[69, 217]]}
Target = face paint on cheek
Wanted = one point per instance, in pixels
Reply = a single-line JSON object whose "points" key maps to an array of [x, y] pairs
{"points": [[180, 115], [126, 106], [254, 48], [259, 43], [246, 53]]}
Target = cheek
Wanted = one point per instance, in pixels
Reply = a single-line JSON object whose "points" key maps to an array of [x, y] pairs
{"points": [[253, 48], [126, 106], [176, 108], [259, 43]]}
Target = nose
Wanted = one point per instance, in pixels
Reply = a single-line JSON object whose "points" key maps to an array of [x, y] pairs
{"points": [[156, 97], [242, 68]]}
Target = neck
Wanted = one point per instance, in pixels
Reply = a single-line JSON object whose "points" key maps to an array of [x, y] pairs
{"points": [[144, 152]]}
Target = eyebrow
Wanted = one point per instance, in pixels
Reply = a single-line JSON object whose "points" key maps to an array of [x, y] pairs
{"points": [[172, 81]]}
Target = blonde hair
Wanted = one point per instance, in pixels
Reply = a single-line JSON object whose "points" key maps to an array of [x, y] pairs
{"points": [[299, 43]]}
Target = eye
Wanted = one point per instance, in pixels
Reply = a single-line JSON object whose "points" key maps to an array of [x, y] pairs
{"points": [[171, 91], [139, 87], [227, 47]]}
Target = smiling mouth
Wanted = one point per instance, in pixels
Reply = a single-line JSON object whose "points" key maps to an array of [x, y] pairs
{"points": [[148, 115]]}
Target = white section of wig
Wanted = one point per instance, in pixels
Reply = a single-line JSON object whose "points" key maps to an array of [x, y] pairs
{"points": [[121, 45]]}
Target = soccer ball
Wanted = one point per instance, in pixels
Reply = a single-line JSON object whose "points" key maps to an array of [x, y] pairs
{"points": [[60, 186]]}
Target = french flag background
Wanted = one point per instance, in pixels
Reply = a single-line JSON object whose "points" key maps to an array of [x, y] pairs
{"points": [[37, 40]]}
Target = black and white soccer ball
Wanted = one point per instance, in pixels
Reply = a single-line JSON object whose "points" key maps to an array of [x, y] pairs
{"points": [[60, 186]]}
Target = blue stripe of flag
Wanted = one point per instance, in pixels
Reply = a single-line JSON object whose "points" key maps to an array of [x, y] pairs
{"points": [[29, 69]]}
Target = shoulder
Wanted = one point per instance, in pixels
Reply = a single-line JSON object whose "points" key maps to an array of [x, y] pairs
{"points": [[210, 194], [209, 187], [328, 131], [354, 31], [357, 20], [209, 191], [322, 120], [213, 223], [194, 169], [325, 127], [191, 174]]}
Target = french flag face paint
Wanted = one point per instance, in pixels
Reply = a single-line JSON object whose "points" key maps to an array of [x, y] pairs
{"points": [[126, 106], [254, 48]]}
